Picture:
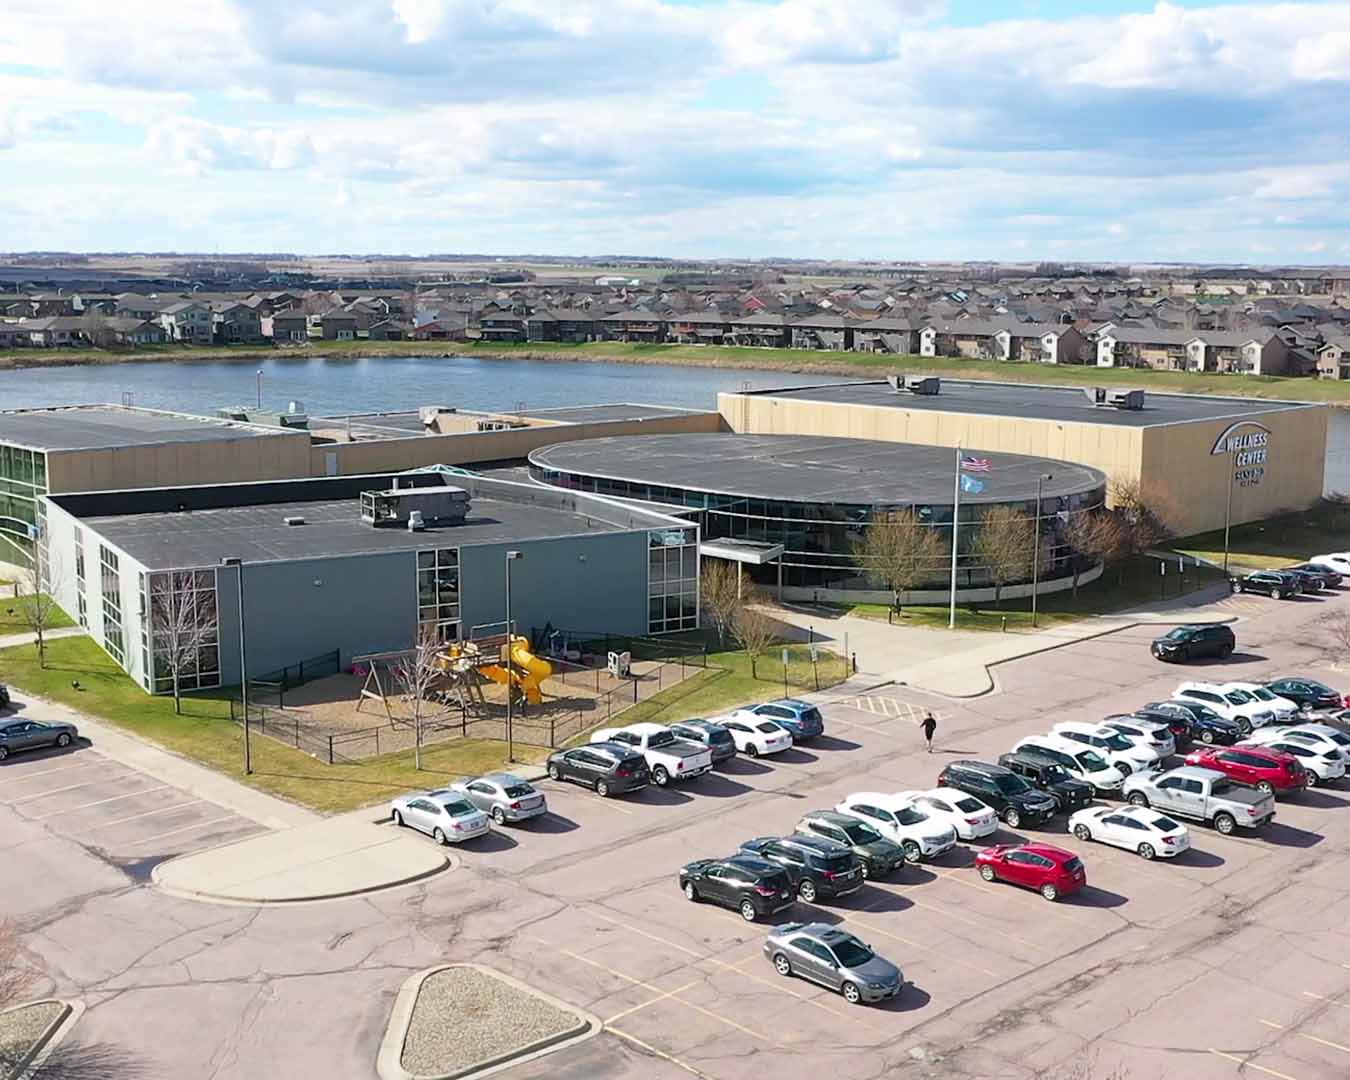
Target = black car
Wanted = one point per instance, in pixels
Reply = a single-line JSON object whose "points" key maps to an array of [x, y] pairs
{"points": [[819, 869], [4, 696], [1011, 797], [878, 855], [1324, 576], [1069, 794], [607, 767], [16, 735], [1190, 642], [755, 887], [714, 736], [1307, 693], [1276, 584], [1199, 721]]}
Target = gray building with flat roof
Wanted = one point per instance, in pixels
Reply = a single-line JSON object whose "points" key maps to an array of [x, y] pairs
{"points": [[317, 577]]}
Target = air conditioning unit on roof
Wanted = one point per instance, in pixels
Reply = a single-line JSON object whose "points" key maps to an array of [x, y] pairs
{"points": [[1103, 397], [928, 385]]}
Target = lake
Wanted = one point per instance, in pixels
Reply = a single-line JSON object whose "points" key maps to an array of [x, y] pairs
{"points": [[336, 386]]}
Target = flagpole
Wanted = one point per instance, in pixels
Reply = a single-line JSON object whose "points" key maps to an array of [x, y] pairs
{"points": [[956, 524]]}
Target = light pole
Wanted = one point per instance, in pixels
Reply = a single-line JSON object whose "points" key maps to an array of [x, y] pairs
{"points": [[258, 382], [238, 564], [1228, 511], [511, 556], [1036, 546]]}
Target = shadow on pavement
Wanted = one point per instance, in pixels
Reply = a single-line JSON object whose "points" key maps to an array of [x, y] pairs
{"points": [[1277, 832], [794, 756], [909, 999], [830, 742], [1196, 857], [493, 841], [719, 787], [18, 757], [911, 874], [548, 823], [658, 796], [958, 858], [1093, 897], [1321, 798], [741, 766], [870, 899]]}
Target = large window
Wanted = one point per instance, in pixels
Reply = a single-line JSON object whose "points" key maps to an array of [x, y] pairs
{"points": [[438, 592], [81, 586], [185, 630], [110, 584], [23, 481], [672, 580]]}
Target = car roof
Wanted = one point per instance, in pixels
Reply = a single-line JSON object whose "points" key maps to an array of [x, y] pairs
{"points": [[644, 728], [750, 862], [1085, 726], [978, 766], [833, 817], [443, 794], [503, 779], [819, 844], [1049, 851], [617, 749]]}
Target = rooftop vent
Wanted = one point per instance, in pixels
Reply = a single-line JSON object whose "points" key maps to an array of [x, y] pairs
{"points": [[432, 506], [294, 519], [926, 385], [1102, 397]]}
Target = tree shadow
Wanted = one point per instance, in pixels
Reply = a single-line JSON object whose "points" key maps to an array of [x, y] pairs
{"points": [[89, 1061]]}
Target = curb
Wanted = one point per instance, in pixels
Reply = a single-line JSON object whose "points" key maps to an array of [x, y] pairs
{"points": [[389, 1061], [51, 1038]]}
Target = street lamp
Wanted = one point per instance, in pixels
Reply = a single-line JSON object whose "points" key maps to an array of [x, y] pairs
{"points": [[1228, 510], [238, 564], [1036, 546], [258, 382], [511, 556]]}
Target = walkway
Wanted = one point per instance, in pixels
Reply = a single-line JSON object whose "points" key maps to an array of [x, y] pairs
{"points": [[9, 641]]}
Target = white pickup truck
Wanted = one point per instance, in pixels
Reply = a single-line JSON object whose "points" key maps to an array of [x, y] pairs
{"points": [[668, 757], [1202, 795]]}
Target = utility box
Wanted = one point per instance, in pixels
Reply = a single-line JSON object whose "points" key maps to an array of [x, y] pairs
{"points": [[443, 505], [925, 385]]}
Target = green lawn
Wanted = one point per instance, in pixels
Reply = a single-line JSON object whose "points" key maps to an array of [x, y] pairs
{"points": [[1277, 541], [205, 733], [826, 363], [1133, 584], [12, 619]]}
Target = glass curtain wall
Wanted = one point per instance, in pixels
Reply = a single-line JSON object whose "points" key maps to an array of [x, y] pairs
{"points": [[23, 481], [438, 593], [110, 584], [672, 580], [184, 627]]}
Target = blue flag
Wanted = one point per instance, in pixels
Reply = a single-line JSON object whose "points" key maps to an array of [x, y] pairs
{"points": [[970, 485]]}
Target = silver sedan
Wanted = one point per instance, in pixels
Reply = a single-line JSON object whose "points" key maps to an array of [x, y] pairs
{"points": [[446, 816], [503, 795], [833, 958]]}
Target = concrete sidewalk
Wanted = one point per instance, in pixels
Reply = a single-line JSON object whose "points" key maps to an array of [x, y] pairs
{"points": [[342, 856], [171, 768], [9, 641]]}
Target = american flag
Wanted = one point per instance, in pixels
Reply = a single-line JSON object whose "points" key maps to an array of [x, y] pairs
{"points": [[975, 464]]}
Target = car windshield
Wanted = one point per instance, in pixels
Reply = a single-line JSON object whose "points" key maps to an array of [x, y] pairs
{"points": [[1166, 824], [1073, 865], [907, 815], [811, 714], [1117, 742], [1091, 761], [1237, 697], [519, 791], [659, 738], [833, 864], [719, 735], [1057, 773], [1179, 633], [1264, 694], [1011, 785], [459, 808], [969, 806], [852, 953], [859, 832], [768, 727]]}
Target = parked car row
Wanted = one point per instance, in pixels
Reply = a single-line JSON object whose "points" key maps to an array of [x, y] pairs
{"points": [[1288, 582]]}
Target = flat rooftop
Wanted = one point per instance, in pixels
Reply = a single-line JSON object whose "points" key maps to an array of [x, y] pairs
{"points": [[809, 468], [98, 427], [590, 414], [231, 520], [1035, 402], [402, 424]]}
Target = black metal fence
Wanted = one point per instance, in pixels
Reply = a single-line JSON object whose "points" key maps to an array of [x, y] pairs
{"points": [[276, 683], [550, 638]]}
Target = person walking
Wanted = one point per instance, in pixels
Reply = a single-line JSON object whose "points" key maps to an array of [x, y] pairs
{"points": [[929, 726]]}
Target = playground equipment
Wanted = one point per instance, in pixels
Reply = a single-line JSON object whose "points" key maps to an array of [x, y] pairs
{"points": [[523, 670]]}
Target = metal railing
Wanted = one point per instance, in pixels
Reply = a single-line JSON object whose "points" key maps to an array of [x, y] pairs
{"points": [[288, 678]]}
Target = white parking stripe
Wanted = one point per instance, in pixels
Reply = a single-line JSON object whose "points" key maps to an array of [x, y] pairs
{"points": [[185, 828], [55, 791], [100, 802], [148, 813], [43, 772]]}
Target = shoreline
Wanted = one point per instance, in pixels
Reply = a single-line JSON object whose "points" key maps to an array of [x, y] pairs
{"points": [[789, 361]]}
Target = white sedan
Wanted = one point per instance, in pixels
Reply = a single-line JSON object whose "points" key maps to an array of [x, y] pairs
{"points": [[900, 820], [1335, 560], [970, 818], [1322, 763], [444, 815], [756, 736], [1134, 828]]}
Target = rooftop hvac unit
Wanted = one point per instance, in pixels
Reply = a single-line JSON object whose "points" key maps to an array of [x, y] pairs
{"points": [[294, 519], [926, 385], [1103, 397], [428, 413], [443, 505]]}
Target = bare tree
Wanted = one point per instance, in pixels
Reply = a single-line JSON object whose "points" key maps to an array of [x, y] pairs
{"points": [[96, 329], [756, 630], [1002, 545], [418, 670], [183, 621], [1338, 636], [1095, 537], [898, 551], [1145, 515], [720, 597], [36, 601]]}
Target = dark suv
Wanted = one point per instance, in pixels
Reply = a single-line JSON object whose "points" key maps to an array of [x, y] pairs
{"points": [[819, 869], [4, 696], [1012, 798], [714, 736], [1315, 578], [1193, 721], [607, 767], [1188, 642], [755, 887], [1069, 794], [1276, 584], [878, 855]]}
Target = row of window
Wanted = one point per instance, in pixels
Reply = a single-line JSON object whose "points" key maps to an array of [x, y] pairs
{"points": [[110, 584]]}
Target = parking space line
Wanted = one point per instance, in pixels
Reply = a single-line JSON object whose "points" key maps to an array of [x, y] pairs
{"points": [[48, 772], [100, 802], [54, 791], [1310, 1038], [983, 925], [1327, 1000], [185, 828], [925, 948], [951, 875], [148, 813], [658, 1053], [604, 802], [657, 990], [1247, 1063], [652, 1001]]}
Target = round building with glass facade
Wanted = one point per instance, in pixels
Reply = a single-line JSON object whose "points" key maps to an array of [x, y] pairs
{"points": [[817, 496]]}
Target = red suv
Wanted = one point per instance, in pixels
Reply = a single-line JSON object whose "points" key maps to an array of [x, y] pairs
{"points": [[1051, 871], [1269, 771]]}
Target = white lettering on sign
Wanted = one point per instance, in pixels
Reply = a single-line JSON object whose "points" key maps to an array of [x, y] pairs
{"points": [[1248, 443]]}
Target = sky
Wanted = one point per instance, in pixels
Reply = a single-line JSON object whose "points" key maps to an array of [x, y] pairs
{"points": [[1101, 130]]}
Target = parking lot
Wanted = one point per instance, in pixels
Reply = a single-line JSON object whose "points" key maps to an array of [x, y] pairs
{"points": [[125, 817]]}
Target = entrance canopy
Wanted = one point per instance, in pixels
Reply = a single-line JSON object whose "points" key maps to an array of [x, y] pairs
{"points": [[754, 552]]}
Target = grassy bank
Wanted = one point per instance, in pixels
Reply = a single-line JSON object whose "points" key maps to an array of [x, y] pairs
{"points": [[1278, 541], [12, 617], [844, 365]]}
